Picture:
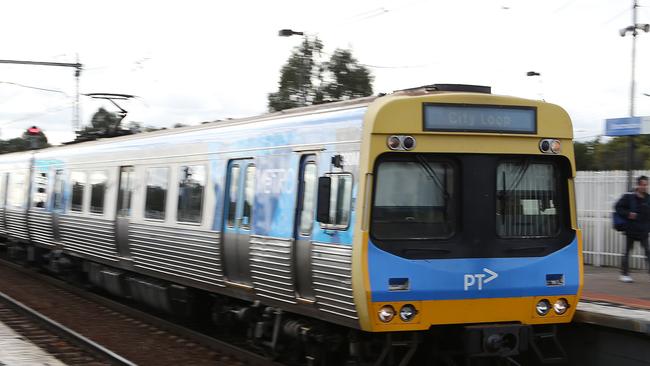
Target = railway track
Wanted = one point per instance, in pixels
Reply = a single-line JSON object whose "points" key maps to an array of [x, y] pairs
{"points": [[136, 336], [56, 339]]}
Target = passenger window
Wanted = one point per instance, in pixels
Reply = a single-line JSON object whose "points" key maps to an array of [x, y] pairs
{"points": [[157, 180], [340, 201], [16, 196], [232, 195], [57, 193], [308, 200], [249, 195], [40, 190], [98, 191], [190, 193], [78, 180], [527, 194]]}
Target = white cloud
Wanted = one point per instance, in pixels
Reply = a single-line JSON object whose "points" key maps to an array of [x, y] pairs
{"points": [[197, 60]]}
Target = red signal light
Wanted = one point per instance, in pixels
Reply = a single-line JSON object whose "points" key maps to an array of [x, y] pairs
{"points": [[33, 130]]}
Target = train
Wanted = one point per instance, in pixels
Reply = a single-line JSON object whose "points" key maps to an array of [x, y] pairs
{"points": [[438, 221]]}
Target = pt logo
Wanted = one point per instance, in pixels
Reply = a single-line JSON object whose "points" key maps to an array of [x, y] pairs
{"points": [[478, 279]]}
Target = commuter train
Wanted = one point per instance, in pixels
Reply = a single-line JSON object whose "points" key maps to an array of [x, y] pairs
{"points": [[372, 226]]}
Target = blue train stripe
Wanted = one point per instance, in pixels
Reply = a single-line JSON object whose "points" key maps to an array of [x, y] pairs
{"points": [[473, 278]]}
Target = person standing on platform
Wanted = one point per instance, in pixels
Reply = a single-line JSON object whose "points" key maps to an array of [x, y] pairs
{"points": [[636, 208]]}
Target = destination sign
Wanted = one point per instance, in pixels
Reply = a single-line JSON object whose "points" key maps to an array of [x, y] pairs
{"points": [[464, 117]]}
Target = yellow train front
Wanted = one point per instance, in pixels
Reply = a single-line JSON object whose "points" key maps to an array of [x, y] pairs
{"points": [[468, 218]]}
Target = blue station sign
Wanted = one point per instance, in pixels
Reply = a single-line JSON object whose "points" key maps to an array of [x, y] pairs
{"points": [[627, 126]]}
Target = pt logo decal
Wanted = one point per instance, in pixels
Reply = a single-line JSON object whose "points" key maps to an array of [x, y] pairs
{"points": [[478, 279]]}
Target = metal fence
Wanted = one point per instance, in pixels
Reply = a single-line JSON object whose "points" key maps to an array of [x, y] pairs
{"points": [[596, 195]]}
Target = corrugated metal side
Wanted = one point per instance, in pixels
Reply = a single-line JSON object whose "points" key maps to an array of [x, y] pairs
{"points": [[90, 236], [17, 224], [188, 253], [40, 227], [271, 268], [332, 277]]}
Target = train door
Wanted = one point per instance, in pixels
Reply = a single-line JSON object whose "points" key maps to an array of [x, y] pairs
{"points": [[123, 217], [237, 220], [303, 225], [4, 181], [57, 203]]}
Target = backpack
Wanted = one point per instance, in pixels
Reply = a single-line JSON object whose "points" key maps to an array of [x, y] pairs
{"points": [[620, 222]]}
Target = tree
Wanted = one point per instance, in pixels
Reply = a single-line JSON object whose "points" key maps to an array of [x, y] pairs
{"points": [[295, 86], [28, 141], [351, 80], [305, 80], [104, 121]]}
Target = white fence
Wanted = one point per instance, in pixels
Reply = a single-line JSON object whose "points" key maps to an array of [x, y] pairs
{"points": [[596, 195]]}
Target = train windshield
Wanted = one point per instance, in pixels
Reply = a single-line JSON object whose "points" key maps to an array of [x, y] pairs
{"points": [[526, 199], [415, 198], [470, 205]]}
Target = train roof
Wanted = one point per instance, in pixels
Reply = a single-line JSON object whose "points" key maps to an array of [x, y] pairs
{"points": [[294, 112]]}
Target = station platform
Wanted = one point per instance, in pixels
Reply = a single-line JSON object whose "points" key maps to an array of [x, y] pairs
{"points": [[18, 351], [608, 302]]}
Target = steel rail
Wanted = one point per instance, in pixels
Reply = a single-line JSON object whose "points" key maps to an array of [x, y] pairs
{"points": [[244, 355], [65, 332]]}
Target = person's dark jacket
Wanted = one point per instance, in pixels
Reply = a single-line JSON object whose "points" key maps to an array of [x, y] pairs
{"points": [[640, 226]]}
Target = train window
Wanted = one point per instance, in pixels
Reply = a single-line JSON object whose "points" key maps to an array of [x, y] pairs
{"points": [[527, 199], [157, 181], [233, 195], [17, 187], [57, 192], [97, 191], [78, 181], [340, 201], [190, 193], [40, 190], [414, 198], [309, 199], [249, 194]]}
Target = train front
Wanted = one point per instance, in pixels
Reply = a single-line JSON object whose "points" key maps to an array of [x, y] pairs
{"points": [[469, 217]]}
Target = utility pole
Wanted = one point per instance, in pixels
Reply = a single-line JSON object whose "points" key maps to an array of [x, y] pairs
{"points": [[633, 29], [77, 73]]}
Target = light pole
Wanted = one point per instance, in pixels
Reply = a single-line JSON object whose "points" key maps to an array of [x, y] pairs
{"points": [[302, 76], [634, 28], [541, 86]]}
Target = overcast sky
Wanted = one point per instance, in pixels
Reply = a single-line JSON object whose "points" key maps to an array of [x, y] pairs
{"points": [[195, 61]]}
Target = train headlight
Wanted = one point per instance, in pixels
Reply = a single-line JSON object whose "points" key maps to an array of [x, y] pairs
{"points": [[543, 307], [555, 146], [394, 142], [550, 146], [386, 313], [408, 142], [407, 312], [560, 306]]}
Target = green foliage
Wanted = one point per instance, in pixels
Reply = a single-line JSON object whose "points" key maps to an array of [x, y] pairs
{"points": [[612, 155], [25, 142], [351, 80], [104, 121], [305, 80]]}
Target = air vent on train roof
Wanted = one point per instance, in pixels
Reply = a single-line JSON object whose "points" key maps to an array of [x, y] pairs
{"points": [[448, 88]]}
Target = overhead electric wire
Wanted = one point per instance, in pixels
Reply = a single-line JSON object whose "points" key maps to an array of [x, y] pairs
{"points": [[34, 87], [30, 116]]}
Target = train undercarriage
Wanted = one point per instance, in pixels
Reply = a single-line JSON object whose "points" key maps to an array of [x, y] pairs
{"points": [[294, 339]]}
